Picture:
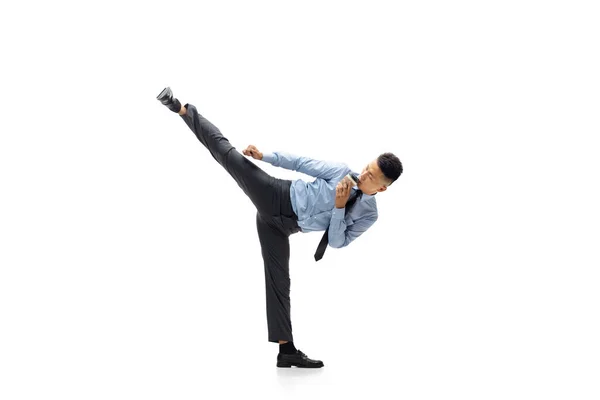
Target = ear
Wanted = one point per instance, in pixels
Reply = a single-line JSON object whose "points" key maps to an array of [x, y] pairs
{"points": [[382, 189]]}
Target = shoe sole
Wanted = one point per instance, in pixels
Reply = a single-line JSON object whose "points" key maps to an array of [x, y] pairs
{"points": [[288, 365], [164, 93]]}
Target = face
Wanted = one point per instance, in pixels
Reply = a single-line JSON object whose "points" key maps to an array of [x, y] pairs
{"points": [[371, 179]]}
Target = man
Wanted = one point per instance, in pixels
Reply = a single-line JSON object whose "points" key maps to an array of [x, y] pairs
{"points": [[332, 203]]}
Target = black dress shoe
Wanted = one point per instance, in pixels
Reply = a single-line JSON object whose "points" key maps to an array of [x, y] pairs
{"points": [[299, 360], [166, 98]]}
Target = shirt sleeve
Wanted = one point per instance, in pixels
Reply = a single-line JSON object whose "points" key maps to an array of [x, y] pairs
{"points": [[341, 235], [319, 169]]}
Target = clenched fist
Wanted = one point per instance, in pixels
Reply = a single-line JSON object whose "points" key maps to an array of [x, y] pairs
{"points": [[342, 192], [253, 152]]}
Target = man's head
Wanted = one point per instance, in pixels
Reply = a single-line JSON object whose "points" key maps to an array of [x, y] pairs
{"points": [[379, 173]]}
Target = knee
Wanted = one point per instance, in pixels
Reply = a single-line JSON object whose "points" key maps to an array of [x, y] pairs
{"points": [[259, 221]]}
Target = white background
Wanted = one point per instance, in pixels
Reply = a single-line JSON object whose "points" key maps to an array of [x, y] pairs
{"points": [[130, 262]]}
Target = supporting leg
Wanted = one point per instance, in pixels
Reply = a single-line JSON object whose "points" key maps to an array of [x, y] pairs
{"points": [[275, 248]]}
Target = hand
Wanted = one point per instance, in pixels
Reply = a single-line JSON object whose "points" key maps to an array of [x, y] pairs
{"points": [[253, 152], [342, 192]]}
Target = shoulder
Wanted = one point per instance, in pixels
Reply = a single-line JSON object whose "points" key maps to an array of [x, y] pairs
{"points": [[371, 204]]}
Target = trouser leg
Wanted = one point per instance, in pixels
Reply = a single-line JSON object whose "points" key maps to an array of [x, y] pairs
{"points": [[275, 247], [259, 186], [275, 218]]}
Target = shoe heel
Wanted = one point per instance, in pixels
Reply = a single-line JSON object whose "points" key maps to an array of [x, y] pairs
{"points": [[284, 365]]}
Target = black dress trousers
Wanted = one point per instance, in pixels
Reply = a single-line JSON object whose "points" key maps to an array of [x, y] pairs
{"points": [[275, 218]]}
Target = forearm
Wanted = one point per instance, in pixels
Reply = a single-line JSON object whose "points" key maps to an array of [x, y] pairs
{"points": [[306, 165], [341, 234], [337, 228], [281, 159]]}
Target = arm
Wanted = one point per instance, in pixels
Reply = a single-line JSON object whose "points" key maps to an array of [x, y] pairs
{"points": [[341, 235], [318, 169]]}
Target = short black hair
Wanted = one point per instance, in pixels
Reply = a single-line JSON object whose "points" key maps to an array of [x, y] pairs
{"points": [[390, 165]]}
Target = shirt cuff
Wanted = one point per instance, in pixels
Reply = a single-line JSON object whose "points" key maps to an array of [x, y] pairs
{"points": [[268, 157], [338, 213]]}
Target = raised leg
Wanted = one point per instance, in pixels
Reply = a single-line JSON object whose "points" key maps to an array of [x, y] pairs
{"points": [[256, 183]]}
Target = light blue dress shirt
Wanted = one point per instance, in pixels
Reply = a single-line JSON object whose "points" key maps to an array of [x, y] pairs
{"points": [[314, 202]]}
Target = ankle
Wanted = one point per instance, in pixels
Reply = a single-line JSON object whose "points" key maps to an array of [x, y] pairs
{"points": [[287, 348], [183, 111]]}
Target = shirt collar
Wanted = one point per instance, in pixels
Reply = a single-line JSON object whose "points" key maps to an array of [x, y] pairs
{"points": [[365, 196]]}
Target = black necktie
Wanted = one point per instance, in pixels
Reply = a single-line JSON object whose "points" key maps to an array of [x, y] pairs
{"points": [[325, 239]]}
